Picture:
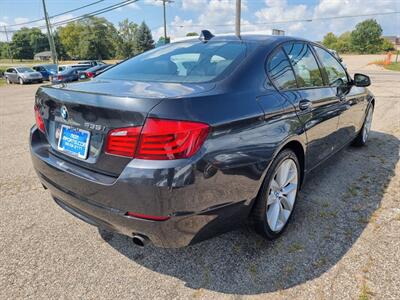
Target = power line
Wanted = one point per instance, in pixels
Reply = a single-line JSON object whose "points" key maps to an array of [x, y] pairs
{"points": [[95, 13], [57, 15], [85, 16], [291, 21]]}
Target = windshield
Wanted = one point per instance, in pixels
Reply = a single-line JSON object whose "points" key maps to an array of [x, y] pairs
{"points": [[24, 70], [186, 62], [50, 67]]}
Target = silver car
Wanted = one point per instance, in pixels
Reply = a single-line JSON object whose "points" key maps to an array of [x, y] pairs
{"points": [[22, 75]]}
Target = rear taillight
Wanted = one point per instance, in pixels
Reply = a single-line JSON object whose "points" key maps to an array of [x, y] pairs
{"points": [[168, 139], [158, 139], [59, 77], [123, 141], [89, 74], [39, 119]]}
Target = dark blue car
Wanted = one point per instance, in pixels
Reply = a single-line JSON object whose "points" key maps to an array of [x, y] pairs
{"points": [[69, 73], [47, 71], [194, 138]]}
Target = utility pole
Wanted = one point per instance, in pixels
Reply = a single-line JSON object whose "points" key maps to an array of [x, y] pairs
{"points": [[49, 34], [8, 44], [237, 19], [165, 18]]}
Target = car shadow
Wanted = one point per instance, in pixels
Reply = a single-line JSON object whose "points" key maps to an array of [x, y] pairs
{"points": [[336, 204]]}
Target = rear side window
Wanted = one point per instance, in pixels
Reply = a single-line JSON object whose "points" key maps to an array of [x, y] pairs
{"points": [[280, 71], [185, 62], [304, 64], [334, 70]]}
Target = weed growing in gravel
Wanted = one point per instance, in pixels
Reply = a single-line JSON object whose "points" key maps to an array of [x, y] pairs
{"points": [[365, 293], [295, 247], [320, 262], [328, 214], [362, 220], [353, 190], [253, 272]]}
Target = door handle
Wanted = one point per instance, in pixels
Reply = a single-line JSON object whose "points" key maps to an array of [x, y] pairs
{"points": [[305, 104]]}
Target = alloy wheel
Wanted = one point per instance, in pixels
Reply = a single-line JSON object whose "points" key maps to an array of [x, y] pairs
{"points": [[367, 125], [282, 195]]}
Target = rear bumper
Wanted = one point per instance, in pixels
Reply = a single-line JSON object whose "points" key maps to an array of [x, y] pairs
{"points": [[198, 207]]}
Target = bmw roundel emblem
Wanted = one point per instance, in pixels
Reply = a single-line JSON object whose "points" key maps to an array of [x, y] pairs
{"points": [[64, 112]]}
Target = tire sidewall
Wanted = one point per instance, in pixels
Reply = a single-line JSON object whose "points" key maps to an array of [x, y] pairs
{"points": [[282, 156], [21, 81], [370, 108]]}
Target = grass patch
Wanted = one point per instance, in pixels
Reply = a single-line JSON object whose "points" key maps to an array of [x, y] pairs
{"points": [[393, 67], [328, 214], [2, 81], [365, 293], [320, 262], [295, 247], [253, 272], [353, 190]]}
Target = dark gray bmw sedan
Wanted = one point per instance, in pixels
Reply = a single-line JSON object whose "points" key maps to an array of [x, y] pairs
{"points": [[191, 139]]}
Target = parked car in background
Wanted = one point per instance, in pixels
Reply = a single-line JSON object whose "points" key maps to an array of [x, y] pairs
{"points": [[22, 75], [68, 74], [94, 71], [47, 71], [192, 139], [62, 68], [92, 62]]}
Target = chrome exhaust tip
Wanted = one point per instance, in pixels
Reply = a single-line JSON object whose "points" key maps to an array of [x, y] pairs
{"points": [[140, 240]]}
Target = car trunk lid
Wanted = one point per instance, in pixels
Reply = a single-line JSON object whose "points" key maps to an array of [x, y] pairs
{"points": [[93, 109]]}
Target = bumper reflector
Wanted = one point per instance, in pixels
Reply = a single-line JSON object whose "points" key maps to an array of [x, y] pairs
{"points": [[146, 217]]}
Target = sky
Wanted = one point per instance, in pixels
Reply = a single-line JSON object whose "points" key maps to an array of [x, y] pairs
{"points": [[218, 16]]}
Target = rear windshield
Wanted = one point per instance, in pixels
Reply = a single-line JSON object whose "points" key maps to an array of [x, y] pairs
{"points": [[186, 62]]}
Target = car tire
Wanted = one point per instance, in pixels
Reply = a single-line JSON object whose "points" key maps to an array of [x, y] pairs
{"points": [[8, 81], [363, 135], [21, 81], [276, 200]]}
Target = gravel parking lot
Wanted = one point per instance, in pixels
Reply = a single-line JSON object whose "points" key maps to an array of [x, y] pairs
{"points": [[343, 243]]}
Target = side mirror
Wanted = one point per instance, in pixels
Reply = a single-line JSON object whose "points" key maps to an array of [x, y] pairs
{"points": [[361, 80]]}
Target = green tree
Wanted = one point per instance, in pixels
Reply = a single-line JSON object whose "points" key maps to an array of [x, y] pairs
{"points": [[70, 38], [21, 45], [366, 38], [38, 41], [343, 44], [4, 50], [161, 41], [60, 48], [125, 46], [192, 34], [387, 45], [92, 38], [97, 39], [330, 41], [143, 39]]}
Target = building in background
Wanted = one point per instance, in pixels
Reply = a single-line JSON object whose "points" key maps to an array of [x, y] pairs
{"points": [[42, 56]]}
